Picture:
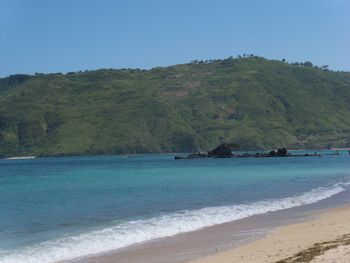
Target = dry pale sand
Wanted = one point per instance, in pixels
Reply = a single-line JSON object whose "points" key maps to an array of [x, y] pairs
{"points": [[286, 242], [339, 255]]}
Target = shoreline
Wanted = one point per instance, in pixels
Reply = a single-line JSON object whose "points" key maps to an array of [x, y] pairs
{"points": [[6, 157], [322, 239], [212, 244], [20, 158]]}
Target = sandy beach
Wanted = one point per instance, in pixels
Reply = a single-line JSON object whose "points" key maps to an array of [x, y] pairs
{"points": [[302, 234], [322, 239]]}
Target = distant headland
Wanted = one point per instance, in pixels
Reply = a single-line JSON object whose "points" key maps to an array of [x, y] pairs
{"points": [[258, 103]]}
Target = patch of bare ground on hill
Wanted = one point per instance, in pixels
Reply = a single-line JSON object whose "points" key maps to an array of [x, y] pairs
{"points": [[183, 91]]}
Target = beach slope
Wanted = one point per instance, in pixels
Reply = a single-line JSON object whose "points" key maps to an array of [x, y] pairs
{"points": [[323, 239]]}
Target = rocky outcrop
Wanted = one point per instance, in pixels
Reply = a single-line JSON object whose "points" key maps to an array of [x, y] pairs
{"points": [[222, 151], [282, 152], [225, 151]]}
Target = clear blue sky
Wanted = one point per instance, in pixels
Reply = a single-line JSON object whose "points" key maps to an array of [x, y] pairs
{"points": [[69, 35]]}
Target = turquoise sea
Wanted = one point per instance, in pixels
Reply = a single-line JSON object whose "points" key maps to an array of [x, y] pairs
{"points": [[54, 209]]}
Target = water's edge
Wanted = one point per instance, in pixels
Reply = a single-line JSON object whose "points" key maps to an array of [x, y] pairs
{"points": [[210, 240], [137, 231]]}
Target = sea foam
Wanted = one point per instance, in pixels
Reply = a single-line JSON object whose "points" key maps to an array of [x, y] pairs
{"points": [[132, 232]]}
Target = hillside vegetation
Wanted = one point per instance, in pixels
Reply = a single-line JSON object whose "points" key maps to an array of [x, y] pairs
{"points": [[255, 102]]}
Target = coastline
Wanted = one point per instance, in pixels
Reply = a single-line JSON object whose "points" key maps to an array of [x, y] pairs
{"points": [[20, 158], [257, 235], [322, 239], [32, 155]]}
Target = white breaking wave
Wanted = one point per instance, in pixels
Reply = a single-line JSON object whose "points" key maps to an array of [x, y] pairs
{"points": [[132, 232]]}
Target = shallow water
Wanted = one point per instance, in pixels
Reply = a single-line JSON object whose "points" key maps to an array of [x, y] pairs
{"points": [[61, 208]]}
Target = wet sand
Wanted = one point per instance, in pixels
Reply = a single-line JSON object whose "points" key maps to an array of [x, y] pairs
{"points": [[262, 238], [311, 241]]}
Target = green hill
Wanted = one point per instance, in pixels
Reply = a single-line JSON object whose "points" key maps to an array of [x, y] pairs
{"points": [[252, 101]]}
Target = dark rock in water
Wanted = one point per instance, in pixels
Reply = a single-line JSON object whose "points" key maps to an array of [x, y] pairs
{"points": [[197, 155], [180, 157], [271, 154], [225, 151], [222, 151], [193, 156], [282, 152]]}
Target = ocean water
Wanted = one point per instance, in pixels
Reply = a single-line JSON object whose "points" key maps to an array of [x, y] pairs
{"points": [[54, 209]]}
